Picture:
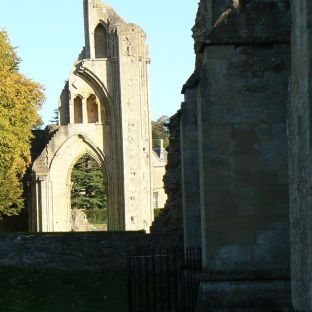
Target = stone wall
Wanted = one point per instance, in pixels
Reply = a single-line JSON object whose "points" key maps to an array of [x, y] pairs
{"points": [[84, 251], [234, 132], [190, 169], [300, 157]]}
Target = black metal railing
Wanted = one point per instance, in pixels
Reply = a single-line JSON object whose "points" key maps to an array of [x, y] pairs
{"points": [[163, 281]]}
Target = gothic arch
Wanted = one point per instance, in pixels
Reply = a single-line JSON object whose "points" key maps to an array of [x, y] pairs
{"points": [[92, 109], [94, 150], [123, 134], [78, 116], [100, 41], [100, 90], [59, 175]]}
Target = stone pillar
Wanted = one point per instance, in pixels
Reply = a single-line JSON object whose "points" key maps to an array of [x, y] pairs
{"points": [[40, 203], [32, 217], [300, 168], [43, 217], [84, 111], [98, 103], [243, 66], [71, 111], [190, 174]]}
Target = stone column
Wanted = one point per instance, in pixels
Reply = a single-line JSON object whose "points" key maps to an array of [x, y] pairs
{"points": [[71, 111], [44, 218], [241, 97], [300, 168], [41, 208], [190, 174], [98, 103], [84, 111]]}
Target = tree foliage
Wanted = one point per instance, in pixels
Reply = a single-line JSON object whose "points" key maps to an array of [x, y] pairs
{"points": [[89, 187], [160, 131], [55, 117], [20, 99]]}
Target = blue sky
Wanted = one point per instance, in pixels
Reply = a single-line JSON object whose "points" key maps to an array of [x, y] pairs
{"points": [[49, 36]]}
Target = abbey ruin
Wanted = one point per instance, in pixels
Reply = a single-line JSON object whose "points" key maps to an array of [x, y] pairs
{"points": [[239, 161], [246, 155], [104, 112]]}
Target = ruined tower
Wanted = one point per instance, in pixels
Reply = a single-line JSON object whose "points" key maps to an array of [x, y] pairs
{"points": [[104, 112]]}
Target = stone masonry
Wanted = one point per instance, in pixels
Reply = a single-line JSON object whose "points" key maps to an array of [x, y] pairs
{"points": [[300, 157], [104, 112], [234, 154], [102, 252]]}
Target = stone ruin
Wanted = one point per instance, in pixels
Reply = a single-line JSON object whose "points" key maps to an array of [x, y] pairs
{"points": [[243, 136], [103, 112], [245, 149]]}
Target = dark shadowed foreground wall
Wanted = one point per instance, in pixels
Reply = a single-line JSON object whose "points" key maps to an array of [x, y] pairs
{"points": [[300, 136], [78, 251], [234, 131]]}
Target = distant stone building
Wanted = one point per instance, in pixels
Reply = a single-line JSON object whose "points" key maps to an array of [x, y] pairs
{"points": [[104, 112], [159, 162], [170, 218]]}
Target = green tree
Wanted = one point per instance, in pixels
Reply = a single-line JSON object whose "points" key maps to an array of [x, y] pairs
{"points": [[160, 131], [89, 190], [20, 99], [55, 117]]}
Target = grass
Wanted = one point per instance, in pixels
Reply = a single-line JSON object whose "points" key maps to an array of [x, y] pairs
{"points": [[100, 227], [46, 290]]}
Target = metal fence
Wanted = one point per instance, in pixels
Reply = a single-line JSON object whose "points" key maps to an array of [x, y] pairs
{"points": [[164, 281]]}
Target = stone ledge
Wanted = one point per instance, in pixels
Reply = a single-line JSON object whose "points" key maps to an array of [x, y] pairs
{"points": [[245, 296]]}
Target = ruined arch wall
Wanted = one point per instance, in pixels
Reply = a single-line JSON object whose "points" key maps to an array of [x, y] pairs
{"points": [[51, 185], [120, 85], [60, 174]]}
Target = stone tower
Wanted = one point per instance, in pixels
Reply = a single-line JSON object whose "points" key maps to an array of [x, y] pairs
{"points": [[103, 111]]}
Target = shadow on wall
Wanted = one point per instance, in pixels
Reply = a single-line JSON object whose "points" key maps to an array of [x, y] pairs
{"points": [[15, 223]]}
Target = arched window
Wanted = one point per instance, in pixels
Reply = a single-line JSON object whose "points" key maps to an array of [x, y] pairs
{"points": [[92, 109], [78, 110], [100, 41]]}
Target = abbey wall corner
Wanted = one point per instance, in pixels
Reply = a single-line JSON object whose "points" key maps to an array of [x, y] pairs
{"points": [[245, 155]]}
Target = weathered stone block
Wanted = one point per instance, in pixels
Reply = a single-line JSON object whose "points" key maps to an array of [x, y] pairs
{"points": [[220, 52], [245, 210], [244, 296], [217, 132]]}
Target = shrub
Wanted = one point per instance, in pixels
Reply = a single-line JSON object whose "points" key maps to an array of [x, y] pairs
{"points": [[157, 212], [96, 216]]}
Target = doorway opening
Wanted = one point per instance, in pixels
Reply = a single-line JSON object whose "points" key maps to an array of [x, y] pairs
{"points": [[89, 196]]}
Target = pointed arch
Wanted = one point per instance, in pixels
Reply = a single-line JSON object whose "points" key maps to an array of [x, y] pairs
{"points": [[60, 170], [91, 148], [100, 42], [100, 91], [78, 109], [92, 109]]}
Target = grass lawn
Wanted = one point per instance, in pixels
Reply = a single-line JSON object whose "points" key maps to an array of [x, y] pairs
{"points": [[99, 226], [42, 290]]}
